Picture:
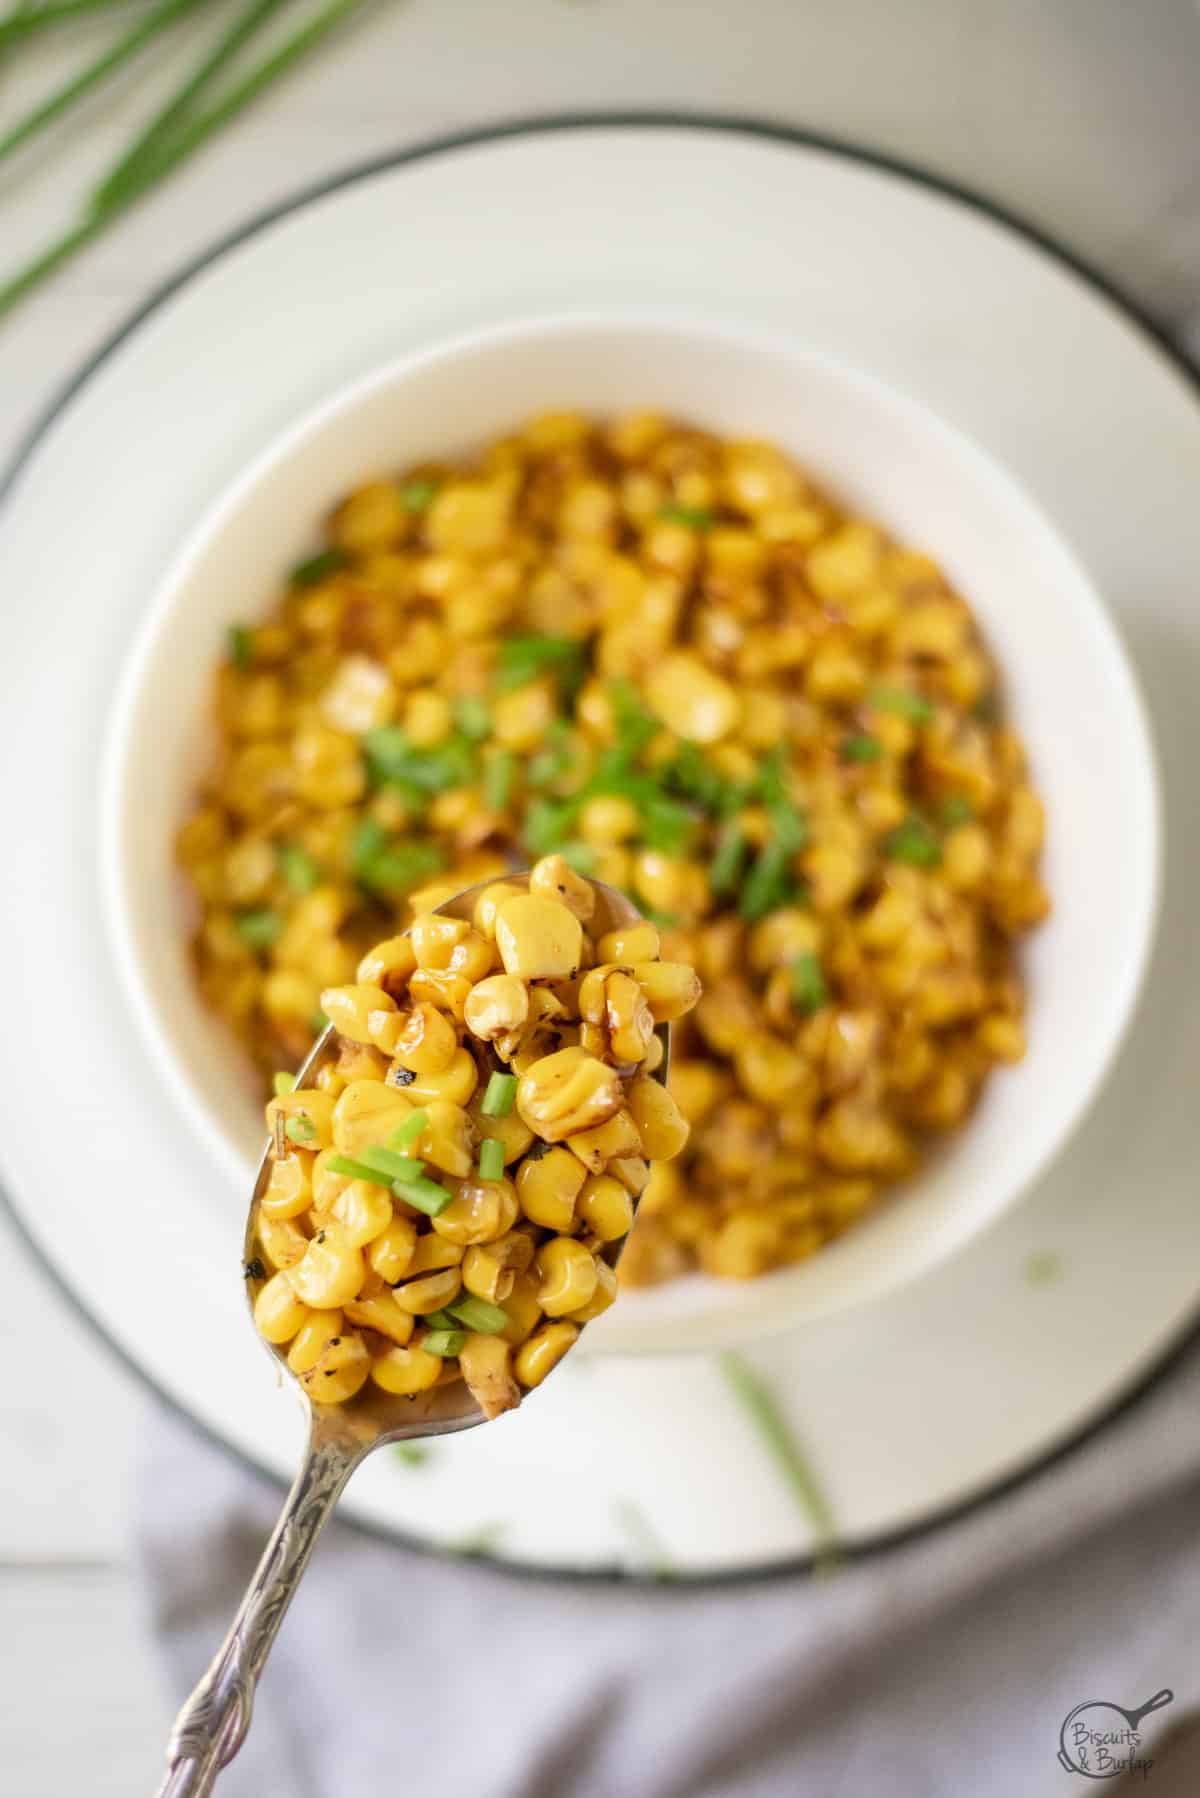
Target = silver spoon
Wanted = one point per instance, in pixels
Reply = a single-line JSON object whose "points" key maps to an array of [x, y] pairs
{"points": [[213, 1722]]}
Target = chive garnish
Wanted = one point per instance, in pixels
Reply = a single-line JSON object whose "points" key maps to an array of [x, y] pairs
{"points": [[425, 1195], [957, 809], [491, 1159], [498, 775], [282, 1083], [500, 1097], [473, 718], [768, 884], [809, 992], [728, 859], [387, 1164], [357, 1170], [386, 866], [241, 647], [913, 842], [413, 1454], [393, 761], [522, 659], [409, 1130], [696, 518], [418, 496], [298, 868], [259, 927], [300, 1130], [444, 1342], [580, 856], [762, 1408], [478, 1315], [861, 748], [315, 569], [440, 1320], [903, 702]]}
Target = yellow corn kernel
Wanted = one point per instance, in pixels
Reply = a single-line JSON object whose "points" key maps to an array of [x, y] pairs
{"points": [[455, 1083], [341, 1371], [486, 1363], [289, 1189], [309, 1113], [281, 1239], [446, 1140], [350, 1009], [602, 1298], [430, 1292], [520, 719], [566, 1092], [480, 1211], [363, 1212], [372, 518], [770, 1070], [446, 992], [496, 1006], [388, 965], [486, 1276], [382, 1314], [391, 1253], [609, 819], [1001, 1036], [330, 1271], [543, 1351], [425, 1042], [406, 1371], [613, 999], [278, 1313], [660, 1123], [547, 1189], [522, 1309], [855, 1137], [628, 944], [511, 1132], [633, 1171], [327, 769], [366, 1114], [746, 1244], [538, 938], [782, 935], [669, 883], [434, 939], [605, 1208], [432, 1254], [489, 902], [966, 858], [360, 697], [672, 988], [551, 878], [427, 718], [313, 1337], [567, 1272], [470, 518], [616, 1139]]}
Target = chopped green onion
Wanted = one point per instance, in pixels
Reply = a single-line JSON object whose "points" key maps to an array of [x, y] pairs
{"points": [[729, 858], [445, 1342], [393, 761], [413, 1454], [547, 824], [491, 1159], [315, 569], [300, 1130], [258, 928], [763, 1410], [388, 867], [957, 809], [500, 1097], [520, 660], [553, 760], [664, 920], [389, 1165], [409, 1130], [478, 1315], [694, 778], [473, 718], [768, 884], [418, 496], [357, 1170], [440, 1320], [809, 992], [861, 748], [903, 702], [241, 647], [580, 856], [426, 1195], [666, 825], [298, 868], [913, 842], [697, 518], [498, 775], [318, 1022], [636, 726], [282, 1083]]}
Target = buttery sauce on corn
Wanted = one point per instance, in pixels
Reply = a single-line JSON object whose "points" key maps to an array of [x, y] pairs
{"points": [[448, 1200], [676, 661]]}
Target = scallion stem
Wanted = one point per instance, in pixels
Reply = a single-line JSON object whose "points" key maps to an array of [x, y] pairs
{"points": [[25, 20], [500, 1097], [762, 1408]]}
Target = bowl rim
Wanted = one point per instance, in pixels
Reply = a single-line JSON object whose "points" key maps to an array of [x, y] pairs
{"points": [[774, 1293]]}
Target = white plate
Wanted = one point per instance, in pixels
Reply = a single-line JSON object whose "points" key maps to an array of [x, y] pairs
{"points": [[909, 1408]]}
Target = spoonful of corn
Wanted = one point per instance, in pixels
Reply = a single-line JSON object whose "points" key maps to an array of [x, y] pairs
{"points": [[439, 1212]]}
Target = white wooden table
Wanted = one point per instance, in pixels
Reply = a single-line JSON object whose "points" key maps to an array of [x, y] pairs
{"points": [[1080, 116]]}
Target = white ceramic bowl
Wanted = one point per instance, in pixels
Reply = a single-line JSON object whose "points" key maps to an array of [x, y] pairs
{"points": [[1070, 687]]}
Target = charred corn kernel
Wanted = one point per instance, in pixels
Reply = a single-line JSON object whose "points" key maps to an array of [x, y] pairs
{"points": [[350, 1009], [486, 1363], [390, 1254], [388, 965], [362, 1212], [547, 1189], [406, 1371], [604, 1207], [329, 1272], [671, 988], [613, 999], [455, 1083], [278, 1313], [496, 1006], [629, 944], [567, 1274], [425, 1041], [383, 1315], [282, 1241], [432, 1253], [602, 1298], [616, 1139], [551, 878], [608, 819], [522, 1309], [312, 1339], [445, 992], [289, 1189], [431, 1292], [566, 1092], [366, 1114], [309, 1114], [660, 1123], [538, 938], [541, 1353], [486, 1276], [480, 1211]]}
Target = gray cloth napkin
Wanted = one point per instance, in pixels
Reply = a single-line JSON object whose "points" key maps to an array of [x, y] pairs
{"points": [[946, 1665]]}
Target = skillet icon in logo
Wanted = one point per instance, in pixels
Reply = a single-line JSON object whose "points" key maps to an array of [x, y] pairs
{"points": [[1100, 1740]]}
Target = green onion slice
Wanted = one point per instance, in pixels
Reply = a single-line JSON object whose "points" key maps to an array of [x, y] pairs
{"points": [[500, 1097], [409, 1130], [809, 992], [425, 1195], [498, 776], [318, 568], [903, 702], [913, 842], [861, 748], [282, 1083], [258, 928], [478, 1315], [300, 1130], [491, 1159], [241, 647], [696, 518], [298, 868], [388, 1165], [445, 1342], [418, 496], [473, 718]]}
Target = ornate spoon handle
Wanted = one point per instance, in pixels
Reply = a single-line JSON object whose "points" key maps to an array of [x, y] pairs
{"points": [[210, 1728]]}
